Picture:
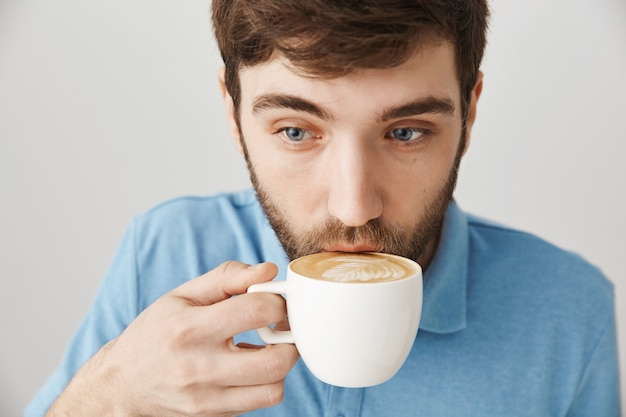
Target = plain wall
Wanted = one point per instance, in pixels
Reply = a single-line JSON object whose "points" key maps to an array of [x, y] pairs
{"points": [[109, 107]]}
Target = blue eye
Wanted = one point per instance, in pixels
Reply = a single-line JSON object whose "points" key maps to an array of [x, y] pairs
{"points": [[296, 134], [406, 134]]}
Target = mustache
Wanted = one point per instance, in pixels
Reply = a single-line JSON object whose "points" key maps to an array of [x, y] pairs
{"points": [[387, 238]]}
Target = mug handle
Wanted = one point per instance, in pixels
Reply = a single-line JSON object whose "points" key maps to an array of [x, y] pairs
{"points": [[266, 333]]}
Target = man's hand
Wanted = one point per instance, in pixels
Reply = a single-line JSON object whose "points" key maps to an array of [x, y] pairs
{"points": [[178, 357]]}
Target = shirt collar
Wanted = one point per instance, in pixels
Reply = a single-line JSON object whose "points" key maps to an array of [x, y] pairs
{"points": [[444, 308]]}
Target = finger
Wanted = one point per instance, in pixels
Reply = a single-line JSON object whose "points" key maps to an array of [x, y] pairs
{"points": [[228, 279], [232, 401], [257, 366], [245, 399], [236, 315], [282, 325]]}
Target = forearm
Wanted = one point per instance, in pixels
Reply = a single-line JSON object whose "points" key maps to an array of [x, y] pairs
{"points": [[94, 390]]}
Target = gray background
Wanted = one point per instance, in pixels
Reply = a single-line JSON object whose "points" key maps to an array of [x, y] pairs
{"points": [[109, 107]]}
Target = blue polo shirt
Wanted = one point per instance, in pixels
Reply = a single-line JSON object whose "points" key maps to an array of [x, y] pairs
{"points": [[511, 325]]}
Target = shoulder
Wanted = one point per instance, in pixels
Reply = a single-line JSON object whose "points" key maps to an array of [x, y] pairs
{"points": [[548, 306], [201, 208], [188, 216], [187, 236], [536, 267]]}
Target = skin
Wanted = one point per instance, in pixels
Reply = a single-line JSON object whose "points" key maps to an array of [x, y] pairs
{"points": [[329, 159], [170, 362], [348, 171]]}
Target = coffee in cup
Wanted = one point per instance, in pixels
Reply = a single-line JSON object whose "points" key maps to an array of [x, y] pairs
{"points": [[354, 267], [353, 316]]}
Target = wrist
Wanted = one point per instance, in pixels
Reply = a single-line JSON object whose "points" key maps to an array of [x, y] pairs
{"points": [[95, 390]]}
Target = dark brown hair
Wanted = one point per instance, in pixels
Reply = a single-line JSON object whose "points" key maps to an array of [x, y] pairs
{"points": [[330, 38]]}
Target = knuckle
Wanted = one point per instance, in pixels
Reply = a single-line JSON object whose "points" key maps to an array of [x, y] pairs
{"points": [[183, 375], [227, 267], [276, 368], [195, 407], [193, 397], [178, 334], [258, 310], [274, 394]]}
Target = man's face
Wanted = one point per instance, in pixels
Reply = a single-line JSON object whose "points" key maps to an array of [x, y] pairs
{"points": [[363, 162]]}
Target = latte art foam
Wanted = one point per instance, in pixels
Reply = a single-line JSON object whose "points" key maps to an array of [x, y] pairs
{"points": [[346, 269], [354, 267]]}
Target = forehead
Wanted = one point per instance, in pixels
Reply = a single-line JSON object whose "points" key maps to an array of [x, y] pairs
{"points": [[431, 70]]}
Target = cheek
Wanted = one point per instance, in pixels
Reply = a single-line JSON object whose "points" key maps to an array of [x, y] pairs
{"points": [[291, 185], [412, 185], [421, 172]]}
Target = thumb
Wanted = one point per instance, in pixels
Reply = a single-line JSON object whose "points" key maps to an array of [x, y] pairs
{"points": [[228, 279]]}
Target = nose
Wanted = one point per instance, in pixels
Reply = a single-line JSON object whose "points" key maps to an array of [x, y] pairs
{"points": [[354, 197]]}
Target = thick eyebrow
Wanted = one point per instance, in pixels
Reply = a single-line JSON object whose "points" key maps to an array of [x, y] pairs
{"points": [[285, 101], [428, 105]]}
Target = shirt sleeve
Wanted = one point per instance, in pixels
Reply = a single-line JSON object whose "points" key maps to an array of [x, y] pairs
{"points": [[599, 391], [114, 307]]}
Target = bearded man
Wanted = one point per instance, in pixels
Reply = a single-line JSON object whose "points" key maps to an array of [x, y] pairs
{"points": [[353, 117]]}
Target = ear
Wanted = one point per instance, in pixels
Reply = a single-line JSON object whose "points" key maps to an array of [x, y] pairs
{"points": [[471, 110], [231, 117]]}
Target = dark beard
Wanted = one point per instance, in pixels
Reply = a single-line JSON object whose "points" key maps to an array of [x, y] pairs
{"points": [[387, 238]]}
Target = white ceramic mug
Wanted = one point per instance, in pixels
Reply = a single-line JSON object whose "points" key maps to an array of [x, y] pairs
{"points": [[350, 331]]}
